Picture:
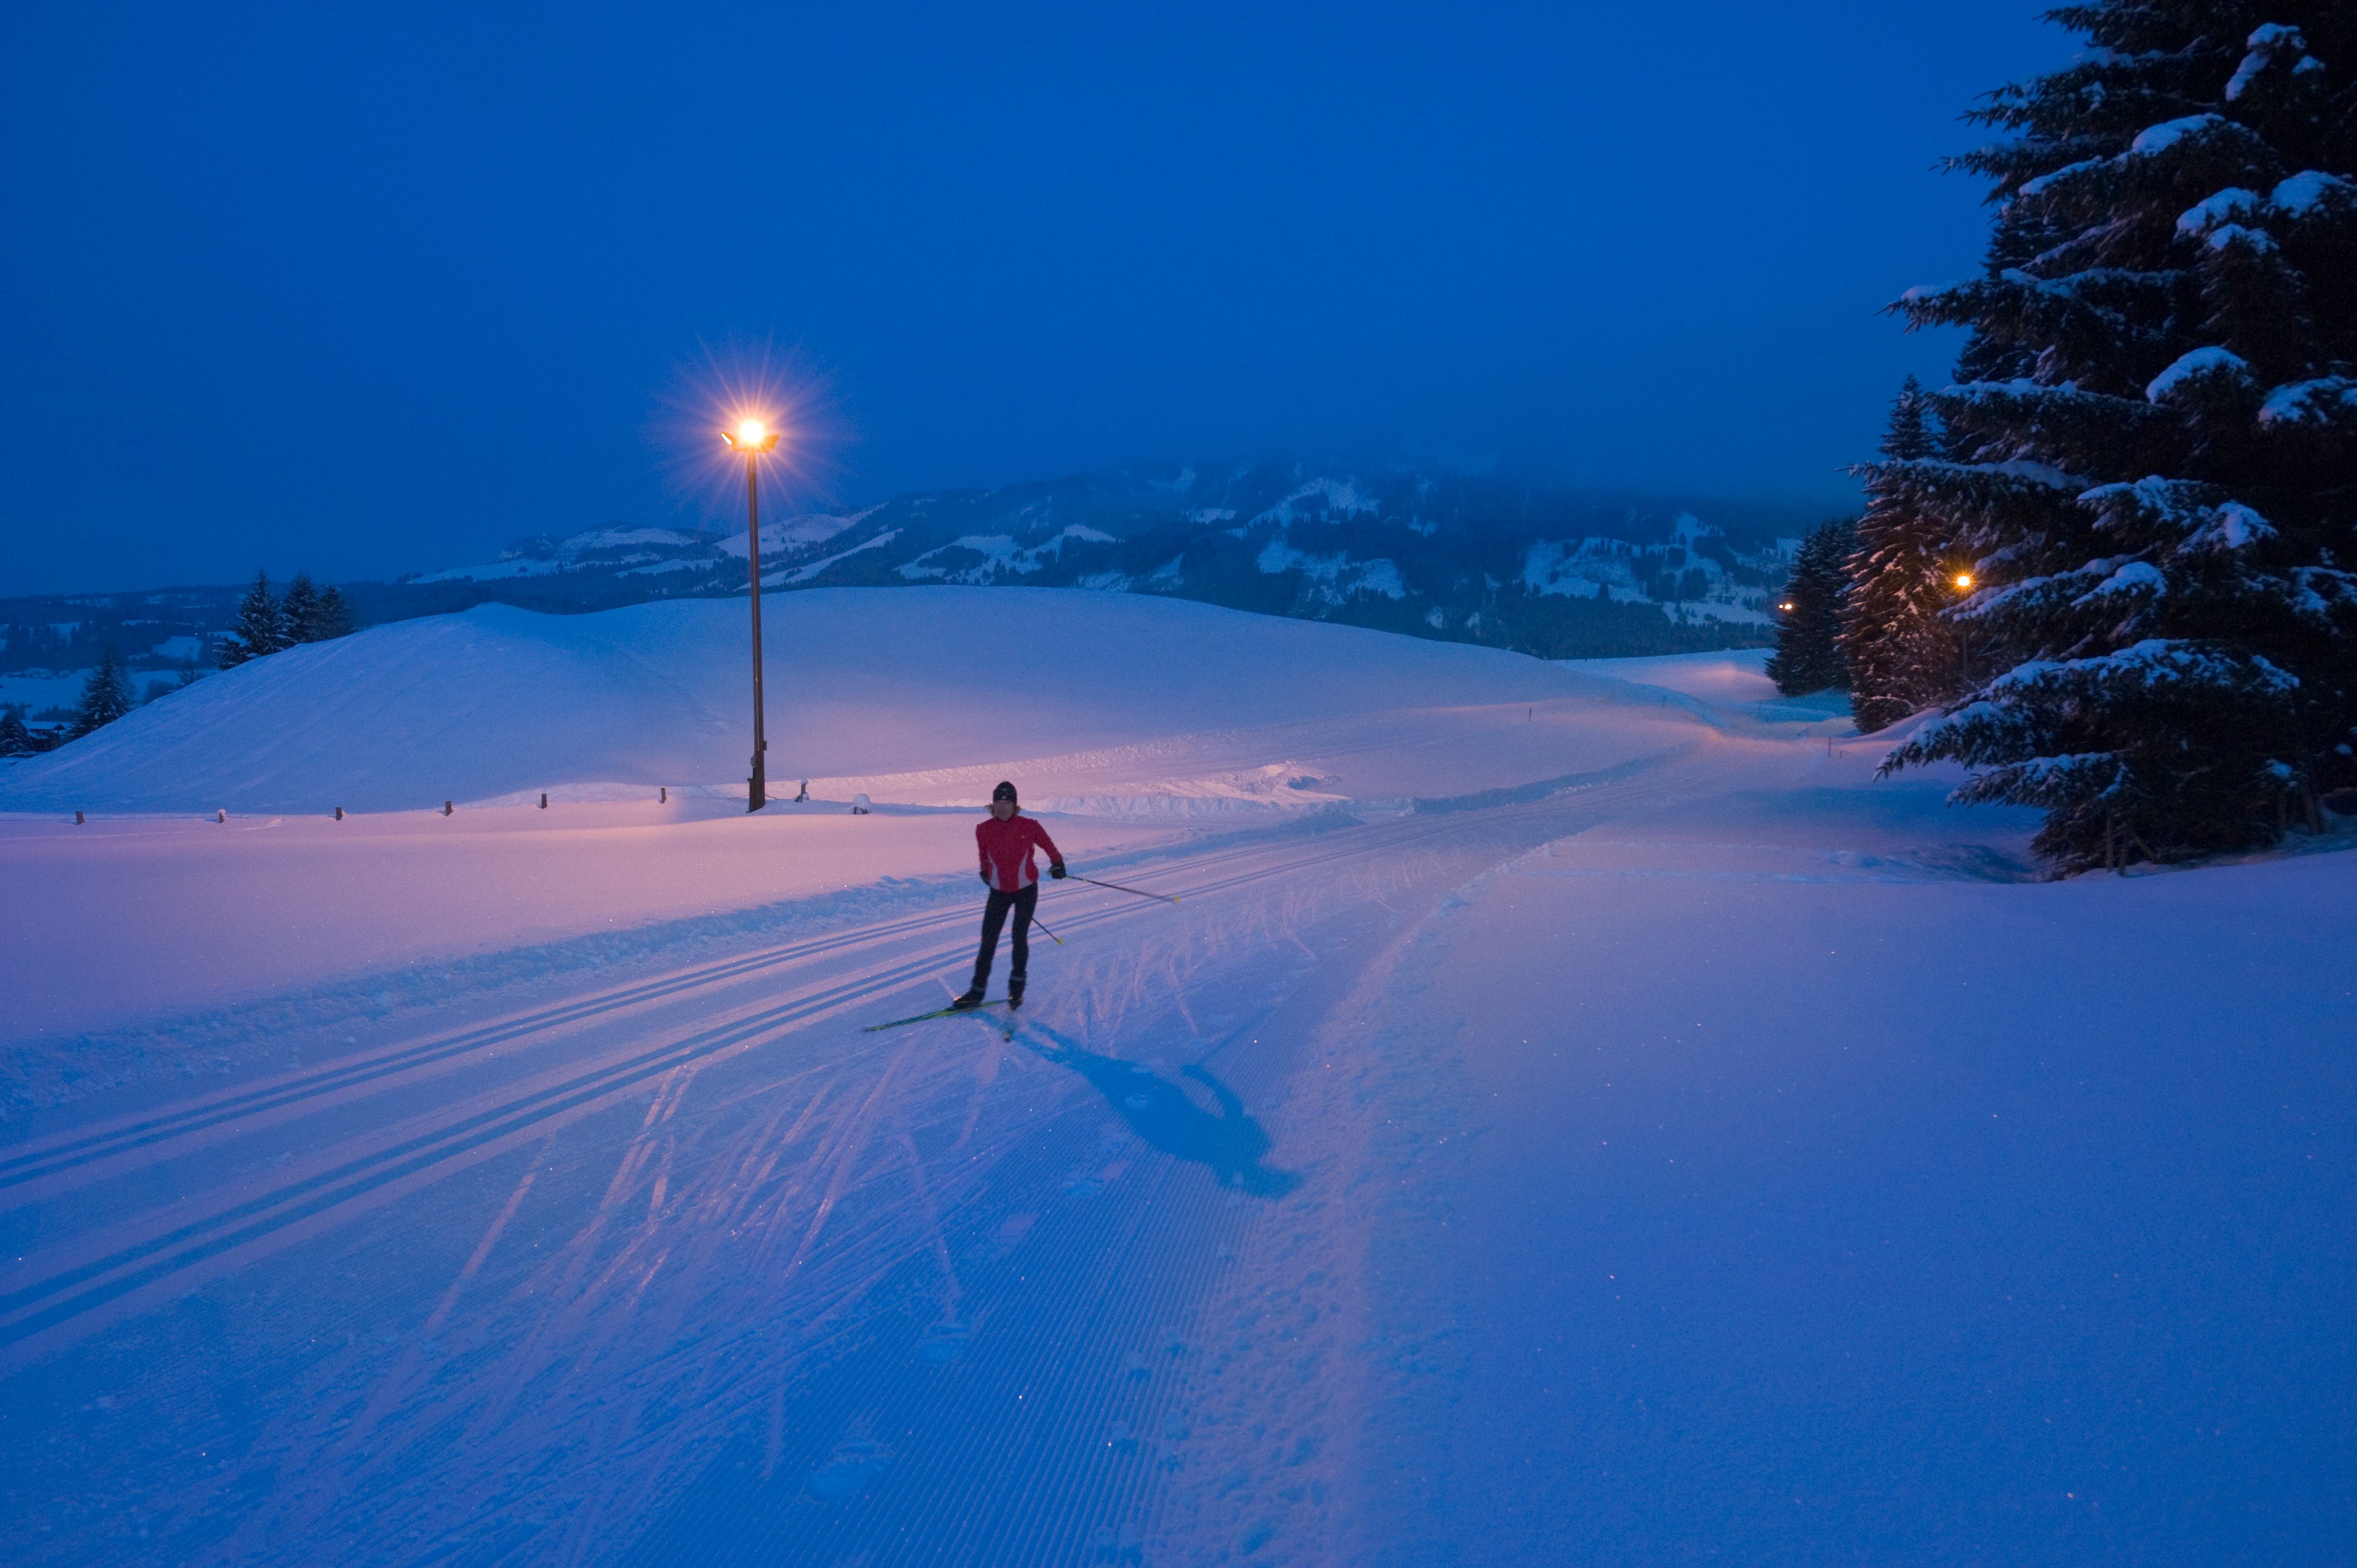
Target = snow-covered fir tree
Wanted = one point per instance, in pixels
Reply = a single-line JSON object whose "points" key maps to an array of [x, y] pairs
{"points": [[16, 738], [105, 695], [2155, 433], [298, 612], [334, 618], [1808, 639], [1902, 656], [260, 628], [308, 613]]}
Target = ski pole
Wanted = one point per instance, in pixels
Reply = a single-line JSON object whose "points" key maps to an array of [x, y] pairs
{"points": [[1137, 892], [1043, 926]]}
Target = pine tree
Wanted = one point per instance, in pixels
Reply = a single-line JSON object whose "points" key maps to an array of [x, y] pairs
{"points": [[2155, 459], [298, 612], [1902, 657], [260, 628], [335, 619], [106, 696], [16, 740], [1808, 655]]}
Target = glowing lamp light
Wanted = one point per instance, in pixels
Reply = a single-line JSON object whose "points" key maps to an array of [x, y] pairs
{"points": [[752, 435], [1964, 579], [1787, 605]]}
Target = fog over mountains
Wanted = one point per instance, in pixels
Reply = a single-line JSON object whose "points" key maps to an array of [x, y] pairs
{"points": [[1551, 571]]}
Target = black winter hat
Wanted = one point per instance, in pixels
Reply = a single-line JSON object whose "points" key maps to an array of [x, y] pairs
{"points": [[1006, 791]]}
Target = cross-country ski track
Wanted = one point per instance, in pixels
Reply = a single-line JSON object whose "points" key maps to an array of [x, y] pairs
{"points": [[670, 1211]]}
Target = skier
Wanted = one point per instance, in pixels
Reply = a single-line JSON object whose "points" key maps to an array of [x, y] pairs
{"points": [[1005, 843]]}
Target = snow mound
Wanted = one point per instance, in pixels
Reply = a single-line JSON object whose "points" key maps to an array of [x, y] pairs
{"points": [[861, 682]]}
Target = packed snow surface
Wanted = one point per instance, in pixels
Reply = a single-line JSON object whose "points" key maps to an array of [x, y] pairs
{"points": [[501, 701], [1569, 1114]]}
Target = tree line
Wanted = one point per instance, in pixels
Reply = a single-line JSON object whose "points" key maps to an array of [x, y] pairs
{"points": [[266, 624], [2118, 557]]}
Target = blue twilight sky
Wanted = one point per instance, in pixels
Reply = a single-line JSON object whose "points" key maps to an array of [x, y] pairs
{"points": [[362, 290]]}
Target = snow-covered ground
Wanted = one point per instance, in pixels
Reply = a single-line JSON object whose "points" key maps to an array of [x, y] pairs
{"points": [[499, 701], [1574, 1113]]}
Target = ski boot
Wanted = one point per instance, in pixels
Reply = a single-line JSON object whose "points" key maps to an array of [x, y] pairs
{"points": [[1015, 993], [972, 999]]}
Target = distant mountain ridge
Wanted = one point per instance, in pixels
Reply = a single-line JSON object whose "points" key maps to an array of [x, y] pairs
{"points": [[1558, 573], [1551, 571]]}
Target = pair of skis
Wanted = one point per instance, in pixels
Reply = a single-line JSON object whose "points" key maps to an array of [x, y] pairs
{"points": [[1005, 1026]]}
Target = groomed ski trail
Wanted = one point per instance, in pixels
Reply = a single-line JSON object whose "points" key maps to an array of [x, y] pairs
{"points": [[690, 1267]]}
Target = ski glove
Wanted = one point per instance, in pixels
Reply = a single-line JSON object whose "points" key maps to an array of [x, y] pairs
{"points": [[1057, 871]]}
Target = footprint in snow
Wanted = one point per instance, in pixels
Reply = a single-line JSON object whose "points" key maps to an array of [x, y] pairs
{"points": [[1088, 1183], [848, 1470], [945, 1342], [1012, 1230], [1125, 1546]]}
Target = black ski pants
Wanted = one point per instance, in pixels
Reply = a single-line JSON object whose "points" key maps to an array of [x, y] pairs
{"points": [[1023, 900]]}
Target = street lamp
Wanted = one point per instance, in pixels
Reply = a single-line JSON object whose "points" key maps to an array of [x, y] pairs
{"points": [[753, 437], [1963, 582]]}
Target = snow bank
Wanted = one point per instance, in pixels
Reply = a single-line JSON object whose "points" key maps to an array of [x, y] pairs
{"points": [[863, 682]]}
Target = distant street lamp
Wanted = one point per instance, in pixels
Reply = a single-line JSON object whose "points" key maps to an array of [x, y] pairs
{"points": [[752, 437], [1964, 581]]}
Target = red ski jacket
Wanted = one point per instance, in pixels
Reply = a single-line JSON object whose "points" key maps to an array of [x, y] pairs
{"points": [[1007, 846]]}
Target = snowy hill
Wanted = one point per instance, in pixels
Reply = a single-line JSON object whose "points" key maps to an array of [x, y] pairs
{"points": [[861, 684]]}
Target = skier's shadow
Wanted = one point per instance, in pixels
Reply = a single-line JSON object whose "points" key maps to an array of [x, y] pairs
{"points": [[1232, 1144]]}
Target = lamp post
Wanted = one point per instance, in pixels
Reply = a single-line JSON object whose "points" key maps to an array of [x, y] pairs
{"points": [[753, 438]]}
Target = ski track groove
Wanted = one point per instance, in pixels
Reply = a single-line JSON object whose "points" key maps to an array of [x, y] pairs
{"points": [[583, 1092], [69, 1149], [1170, 1236], [41, 1157], [66, 1151]]}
